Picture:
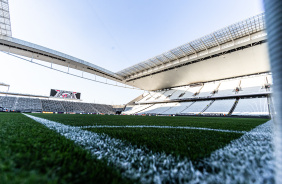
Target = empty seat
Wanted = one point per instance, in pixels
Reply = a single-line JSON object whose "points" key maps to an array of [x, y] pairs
{"points": [[177, 108], [227, 87], [137, 108], [189, 93], [208, 89], [252, 107], [159, 108], [252, 85], [178, 91], [197, 107], [220, 107]]}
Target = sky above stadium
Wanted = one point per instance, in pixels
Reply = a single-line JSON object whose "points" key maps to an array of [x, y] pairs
{"points": [[113, 34]]}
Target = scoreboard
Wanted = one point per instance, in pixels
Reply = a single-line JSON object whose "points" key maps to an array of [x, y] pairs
{"points": [[64, 94]]}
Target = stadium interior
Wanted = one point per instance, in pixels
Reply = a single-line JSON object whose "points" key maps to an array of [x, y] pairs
{"points": [[206, 115], [210, 76]]}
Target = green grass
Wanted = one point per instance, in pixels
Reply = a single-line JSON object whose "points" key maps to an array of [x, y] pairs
{"points": [[193, 144], [240, 124], [31, 153]]}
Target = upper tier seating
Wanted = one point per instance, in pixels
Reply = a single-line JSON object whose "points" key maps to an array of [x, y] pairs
{"points": [[269, 83], [227, 87], [150, 97], [252, 85], [178, 91], [190, 92], [208, 88], [220, 107], [252, 107], [144, 97], [166, 95]]}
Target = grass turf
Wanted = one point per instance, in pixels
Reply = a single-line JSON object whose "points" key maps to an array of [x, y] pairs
{"points": [[240, 124], [31, 153], [193, 144]]}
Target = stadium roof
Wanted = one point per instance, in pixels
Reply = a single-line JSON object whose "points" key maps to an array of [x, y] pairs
{"points": [[21, 47], [242, 33], [216, 39]]}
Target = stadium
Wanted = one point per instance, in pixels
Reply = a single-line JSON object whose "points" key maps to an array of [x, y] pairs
{"points": [[206, 114]]}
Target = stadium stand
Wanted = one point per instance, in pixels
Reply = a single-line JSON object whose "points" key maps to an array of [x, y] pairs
{"points": [[52, 106], [178, 108], [214, 98], [252, 107], [191, 92], [87, 107], [177, 92], [76, 107], [28, 105], [197, 107], [8, 102], [71, 107], [228, 87], [220, 107], [148, 96], [166, 95], [208, 89], [108, 109], [105, 109], [136, 109], [156, 109], [252, 85]]}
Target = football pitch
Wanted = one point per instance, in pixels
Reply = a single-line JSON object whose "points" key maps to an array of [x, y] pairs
{"points": [[74, 148]]}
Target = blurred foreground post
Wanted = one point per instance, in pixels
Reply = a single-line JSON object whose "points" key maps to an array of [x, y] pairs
{"points": [[273, 14]]}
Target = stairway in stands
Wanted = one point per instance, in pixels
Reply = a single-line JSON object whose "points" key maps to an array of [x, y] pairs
{"points": [[233, 107]]}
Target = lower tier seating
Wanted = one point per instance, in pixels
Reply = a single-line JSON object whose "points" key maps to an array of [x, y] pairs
{"points": [[252, 107], [243, 107], [220, 107], [52, 106], [22, 104]]}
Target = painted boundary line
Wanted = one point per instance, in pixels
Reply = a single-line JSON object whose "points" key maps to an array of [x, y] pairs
{"points": [[248, 159], [134, 162], [166, 127]]}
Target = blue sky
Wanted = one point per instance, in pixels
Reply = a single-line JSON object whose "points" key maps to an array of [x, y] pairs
{"points": [[113, 34]]}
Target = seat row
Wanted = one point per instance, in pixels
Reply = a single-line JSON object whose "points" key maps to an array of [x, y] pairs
{"points": [[21, 104], [239, 86], [258, 106]]}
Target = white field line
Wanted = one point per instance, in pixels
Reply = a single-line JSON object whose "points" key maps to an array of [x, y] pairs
{"points": [[167, 127], [135, 163], [248, 159]]}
